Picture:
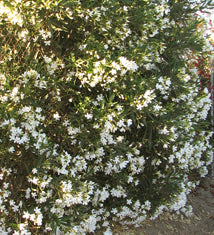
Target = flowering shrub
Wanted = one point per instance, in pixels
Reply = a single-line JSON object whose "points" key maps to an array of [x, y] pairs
{"points": [[102, 118]]}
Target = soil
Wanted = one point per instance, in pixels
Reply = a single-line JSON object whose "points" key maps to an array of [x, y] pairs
{"points": [[200, 223]]}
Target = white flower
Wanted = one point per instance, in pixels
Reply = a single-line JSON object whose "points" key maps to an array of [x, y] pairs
{"points": [[47, 43], [11, 149], [171, 158], [104, 195], [129, 65], [47, 59], [90, 224], [106, 46], [123, 164], [38, 110], [56, 116], [119, 108], [108, 232], [89, 116], [34, 171], [115, 65], [28, 191], [157, 107], [120, 139], [100, 97], [39, 219], [130, 179], [203, 171], [206, 90], [129, 122], [106, 138], [119, 192], [26, 215], [147, 204], [121, 123], [113, 71], [129, 202], [22, 226], [164, 131], [5, 185]]}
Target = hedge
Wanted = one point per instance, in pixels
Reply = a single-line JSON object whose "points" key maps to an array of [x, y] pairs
{"points": [[103, 118]]}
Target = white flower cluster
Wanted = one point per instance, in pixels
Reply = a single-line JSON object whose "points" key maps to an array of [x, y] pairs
{"points": [[164, 86], [97, 139], [128, 65], [10, 15], [51, 65]]}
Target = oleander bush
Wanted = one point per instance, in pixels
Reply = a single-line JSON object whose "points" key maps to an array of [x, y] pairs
{"points": [[102, 115]]}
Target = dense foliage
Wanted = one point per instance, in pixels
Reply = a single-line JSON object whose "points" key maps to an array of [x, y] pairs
{"points": [[102, 115]]}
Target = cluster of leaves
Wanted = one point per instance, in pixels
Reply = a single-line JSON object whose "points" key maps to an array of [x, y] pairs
{"points": [[102, 118]]}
